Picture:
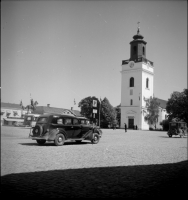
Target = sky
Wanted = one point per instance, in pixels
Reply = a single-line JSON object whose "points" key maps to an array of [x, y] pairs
{"points": [[58, 51]]}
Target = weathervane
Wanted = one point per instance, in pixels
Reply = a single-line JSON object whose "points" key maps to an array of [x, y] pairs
{"points": [[138, 28]]}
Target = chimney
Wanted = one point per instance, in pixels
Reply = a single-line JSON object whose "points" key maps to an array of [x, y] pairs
{"points": [[48, 105]]}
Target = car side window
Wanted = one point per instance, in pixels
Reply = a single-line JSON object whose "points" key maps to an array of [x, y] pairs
{"points": [[82, 121], [67, 121], [75, 122], [59, 121]]}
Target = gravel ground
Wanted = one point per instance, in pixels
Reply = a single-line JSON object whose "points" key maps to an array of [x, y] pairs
{"points": [[132, 164]]}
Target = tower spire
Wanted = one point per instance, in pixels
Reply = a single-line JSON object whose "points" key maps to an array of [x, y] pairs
{"points": [[138, 31]]}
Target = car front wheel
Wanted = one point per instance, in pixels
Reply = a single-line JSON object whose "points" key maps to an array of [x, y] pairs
{"points": [[59, 140], [95, 139]]}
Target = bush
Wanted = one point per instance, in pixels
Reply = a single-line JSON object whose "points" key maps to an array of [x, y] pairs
{"points": [[165, 125], [104, 124]]}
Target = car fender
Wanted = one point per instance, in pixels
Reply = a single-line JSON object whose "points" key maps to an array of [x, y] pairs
{"points": [[96, 130], [88, 135], [62, 131], [55, 132]]}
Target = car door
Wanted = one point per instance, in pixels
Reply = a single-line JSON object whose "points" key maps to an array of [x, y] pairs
{"points": [[85, 127], [68, 126], [77, 128]]}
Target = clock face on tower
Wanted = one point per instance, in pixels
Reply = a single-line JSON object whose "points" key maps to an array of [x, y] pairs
{"points": [[131, 64]]}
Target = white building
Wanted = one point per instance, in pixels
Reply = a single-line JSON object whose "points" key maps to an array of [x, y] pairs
{"points": [[137, 83], [11, 113]]}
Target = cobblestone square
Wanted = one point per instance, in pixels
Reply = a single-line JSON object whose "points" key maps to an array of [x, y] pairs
{"points": [[121, 164]]}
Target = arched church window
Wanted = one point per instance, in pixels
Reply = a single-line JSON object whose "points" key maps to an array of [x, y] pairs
{"points": [[134, 50], [131, 82], [147, 83], [131, 102], [143, 50]]}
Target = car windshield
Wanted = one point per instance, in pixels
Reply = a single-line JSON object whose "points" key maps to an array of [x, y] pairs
{"points": [[42, 120], [84, 121], [29, 118]]}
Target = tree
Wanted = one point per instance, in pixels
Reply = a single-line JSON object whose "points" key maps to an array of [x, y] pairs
{"points": [[118, 113], [177, 106], [152, 107], [108, 112], [86, 106], [165, 125]]}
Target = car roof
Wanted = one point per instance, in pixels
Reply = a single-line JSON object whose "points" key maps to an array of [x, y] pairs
{"points": [[81, 117], [57, 115]]}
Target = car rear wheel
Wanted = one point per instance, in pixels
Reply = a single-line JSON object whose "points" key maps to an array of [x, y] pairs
{"points": [[41, 141], [59, 140], [95, 139]]}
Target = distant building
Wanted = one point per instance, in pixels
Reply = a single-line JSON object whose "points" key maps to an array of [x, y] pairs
{"points": [[11, 113], [53, 110]]}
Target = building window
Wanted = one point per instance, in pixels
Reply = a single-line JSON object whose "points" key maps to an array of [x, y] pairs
{"points": [[147, 83], [143, 50], [131, 92], [15, 113], [131, 82], [8, 113], [131, 102], [134, 50]]}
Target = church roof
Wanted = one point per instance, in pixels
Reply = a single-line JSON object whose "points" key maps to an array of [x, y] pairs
{"points": [[162, 103], [138, 37]]}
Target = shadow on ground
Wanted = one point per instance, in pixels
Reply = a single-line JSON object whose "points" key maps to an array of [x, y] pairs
{"points": [[52, 144], [164, 180], [175, 137]]}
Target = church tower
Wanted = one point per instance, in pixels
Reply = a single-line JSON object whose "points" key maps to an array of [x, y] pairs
{"points": [[137, 77]]}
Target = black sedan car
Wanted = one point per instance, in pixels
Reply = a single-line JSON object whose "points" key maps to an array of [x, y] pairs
{"points": [[62, 128]]}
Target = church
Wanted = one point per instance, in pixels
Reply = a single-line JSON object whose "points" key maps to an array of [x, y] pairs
{"points": [[137, 83]]}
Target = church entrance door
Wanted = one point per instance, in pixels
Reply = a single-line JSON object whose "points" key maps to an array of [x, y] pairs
{"points": [[131, 123]]}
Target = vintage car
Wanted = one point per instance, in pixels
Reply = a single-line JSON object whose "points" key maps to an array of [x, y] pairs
{"points": [[177, 128], [30, 119], [63, 128]]}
